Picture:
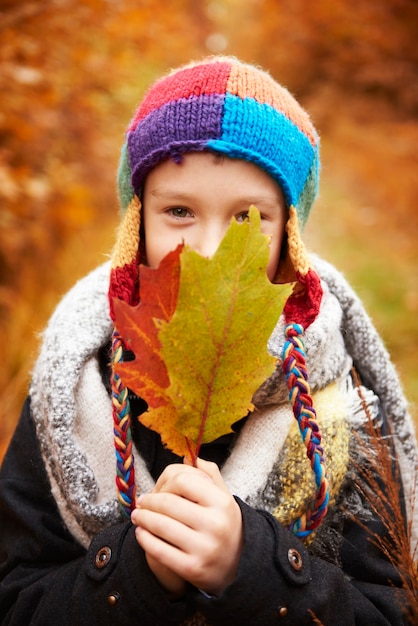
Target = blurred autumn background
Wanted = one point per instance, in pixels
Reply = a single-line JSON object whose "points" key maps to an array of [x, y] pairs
{"points": [[71, 74]]}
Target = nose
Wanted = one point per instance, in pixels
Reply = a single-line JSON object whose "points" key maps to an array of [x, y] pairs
{"points": [[210, 237]]}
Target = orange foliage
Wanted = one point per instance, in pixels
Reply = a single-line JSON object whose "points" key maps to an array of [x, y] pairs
{"points": [[70, 74], [369, 47], [65, 67]]}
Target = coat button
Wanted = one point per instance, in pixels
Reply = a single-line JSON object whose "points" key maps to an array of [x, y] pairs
{"points": [[282, 611], [113, 598], [103, 557], [295, 559]]}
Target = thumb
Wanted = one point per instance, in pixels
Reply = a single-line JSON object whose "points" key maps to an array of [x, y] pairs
{"points": [[211, 469]]}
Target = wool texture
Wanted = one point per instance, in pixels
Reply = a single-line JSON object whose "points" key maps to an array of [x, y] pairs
{"points": [[66, 385], [231, 108]]}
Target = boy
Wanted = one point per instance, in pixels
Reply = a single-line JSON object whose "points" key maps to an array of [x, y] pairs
{"points": [[253, 534]]}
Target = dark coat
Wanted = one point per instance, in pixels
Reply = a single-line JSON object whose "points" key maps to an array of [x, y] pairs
{"points": [[48, 579]]}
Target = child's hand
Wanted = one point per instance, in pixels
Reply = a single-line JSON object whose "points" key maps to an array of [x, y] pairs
{"points": [[190, 528]]}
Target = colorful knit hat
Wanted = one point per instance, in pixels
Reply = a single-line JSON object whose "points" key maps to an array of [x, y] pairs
{"points": [[230, 108], [237, 110]]}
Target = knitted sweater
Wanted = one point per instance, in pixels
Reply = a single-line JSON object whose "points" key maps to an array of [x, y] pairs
{"points": [[266, 469]]}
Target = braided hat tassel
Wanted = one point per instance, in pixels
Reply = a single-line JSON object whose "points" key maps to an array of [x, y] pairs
{"points": [[300, 311], [125, 471], [124, 285]]}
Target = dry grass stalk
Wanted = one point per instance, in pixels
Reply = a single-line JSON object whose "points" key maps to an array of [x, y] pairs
{"points": [[314, 618], [380, 485]]}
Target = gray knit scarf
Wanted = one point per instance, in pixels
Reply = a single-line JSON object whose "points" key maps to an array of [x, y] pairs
{"points": [[73, 414]]}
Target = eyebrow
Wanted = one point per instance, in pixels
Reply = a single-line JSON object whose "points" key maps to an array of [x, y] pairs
{"points": [[184, 196], [171, 193]]}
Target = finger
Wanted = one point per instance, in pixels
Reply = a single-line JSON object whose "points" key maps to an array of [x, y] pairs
{"points": [[192, 556], [172, 471], [190, 483], [212, 470], [204, 516], [165, 553], [167, 530], [171, 506], [172, 582]]}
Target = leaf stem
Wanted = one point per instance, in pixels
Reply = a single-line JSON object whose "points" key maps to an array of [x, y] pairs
{"points": [[193, 454]]}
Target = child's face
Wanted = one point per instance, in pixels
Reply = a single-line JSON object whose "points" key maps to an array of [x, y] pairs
{"points": [[193, 202]]}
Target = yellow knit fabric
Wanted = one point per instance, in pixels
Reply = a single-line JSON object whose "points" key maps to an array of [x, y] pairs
{"points": [[296, 475], [297, 250], [127, 242]]}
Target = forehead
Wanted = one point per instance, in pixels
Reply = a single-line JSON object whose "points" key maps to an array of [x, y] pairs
{"points": [[208, 172]]}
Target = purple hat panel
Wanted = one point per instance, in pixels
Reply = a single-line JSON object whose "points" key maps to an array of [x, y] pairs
{"points": [[185, 125]]}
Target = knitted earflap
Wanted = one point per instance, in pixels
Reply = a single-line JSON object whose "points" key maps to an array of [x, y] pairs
{"points": [[230, 108]]}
